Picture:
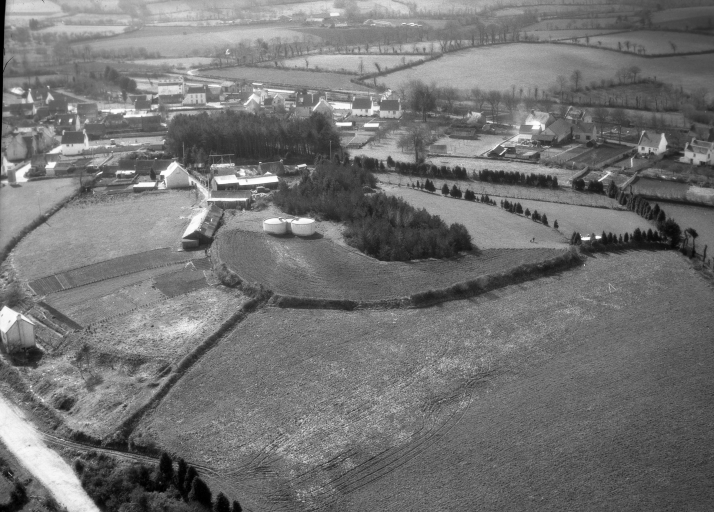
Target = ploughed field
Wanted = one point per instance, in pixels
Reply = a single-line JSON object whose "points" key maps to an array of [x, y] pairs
{"points": [[589, 389], [321, 269]]}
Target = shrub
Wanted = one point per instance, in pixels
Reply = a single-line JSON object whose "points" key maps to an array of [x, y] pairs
{"points": [[455, 192], [579, 184], [555, 224], [528, 212], [469, 195], [166, 467], [200, 492], [544, 219]]}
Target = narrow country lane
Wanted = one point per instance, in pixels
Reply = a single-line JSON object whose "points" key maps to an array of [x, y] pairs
{"points": [[26, 444]]}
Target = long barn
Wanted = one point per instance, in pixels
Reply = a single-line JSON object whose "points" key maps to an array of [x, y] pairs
{"points": [[202, 227]]}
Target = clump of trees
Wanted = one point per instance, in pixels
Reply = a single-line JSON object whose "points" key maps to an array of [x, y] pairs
{"points": [[252, 137], [516, 178], [384, 227], [118, 487], [667, 227]]}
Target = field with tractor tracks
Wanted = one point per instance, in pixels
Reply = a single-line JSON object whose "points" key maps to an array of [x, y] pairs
{"points": [[569, 391]]}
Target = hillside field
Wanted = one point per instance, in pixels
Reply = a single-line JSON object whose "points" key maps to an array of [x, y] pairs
{"points": [[656, 42], [20, 205], [348, 62], [685, 17], [90, 231], [535, 65], [566, 390], [294, 78], [700, 218]]}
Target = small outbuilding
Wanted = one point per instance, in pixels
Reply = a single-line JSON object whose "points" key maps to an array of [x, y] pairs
{"points": [[652, 143], [267, 180], [16, 330], [231, 199]]}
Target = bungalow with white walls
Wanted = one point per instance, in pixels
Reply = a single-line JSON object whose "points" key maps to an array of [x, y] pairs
{"points": [[74, 143]]}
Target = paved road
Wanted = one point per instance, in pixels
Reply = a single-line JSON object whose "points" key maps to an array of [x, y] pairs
{"points": [[26, 444]]}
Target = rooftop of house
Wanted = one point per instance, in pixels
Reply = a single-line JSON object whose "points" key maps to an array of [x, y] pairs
{"points": [[537, 117], [196, 89], [72, 138], [650, 140], [559, 127], [8, 317], [581, 127], [362, 104], [391, 105], [525, 129]]}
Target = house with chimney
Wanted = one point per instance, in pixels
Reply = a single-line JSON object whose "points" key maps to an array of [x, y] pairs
{"points": [[652, 143], [698, 152], [74, 143], [195, 95], [390, 109], [362, 107]]}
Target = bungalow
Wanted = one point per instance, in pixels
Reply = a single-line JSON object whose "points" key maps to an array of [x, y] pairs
{"points": [[584, 132], [16, 330], [195, 95], [362, 107], [202, 227], [652, 143], [390, 109], [74, 143], [175, 176], [698, 152]]}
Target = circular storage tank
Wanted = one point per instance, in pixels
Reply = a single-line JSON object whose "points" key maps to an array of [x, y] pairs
{"points": [[275, 226], [303, 227], [289, 224]]}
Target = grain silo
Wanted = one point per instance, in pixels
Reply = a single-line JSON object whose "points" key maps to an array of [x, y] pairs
{"points": [[275, 226], [303, 227]]}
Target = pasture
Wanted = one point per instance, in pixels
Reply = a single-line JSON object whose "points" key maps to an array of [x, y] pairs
{"points": [[321, 269], [535, 65], [453, 408], [701, 218], [32, 7], [572, 24], [349, 63], [21, 205], [490, 226], [84, 30], [178, 62], [657, 42], [195, 40], [685, 17], [544, 34], [90, 231], [294, 78]]}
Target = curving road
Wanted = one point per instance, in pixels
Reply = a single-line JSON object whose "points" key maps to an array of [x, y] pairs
{"points": [[26, 444]]}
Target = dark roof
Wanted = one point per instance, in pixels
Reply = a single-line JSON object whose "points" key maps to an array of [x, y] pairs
{"points": [[272, 167], [127, 164], [73, 138], [196, 89], [525, 129], [362, 104], [390, 105], [142, 104], [560, 127], [583, 127], [86, 108]]}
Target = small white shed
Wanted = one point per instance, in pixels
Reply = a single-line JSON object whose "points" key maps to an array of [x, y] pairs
{"points": [[17, 331]]}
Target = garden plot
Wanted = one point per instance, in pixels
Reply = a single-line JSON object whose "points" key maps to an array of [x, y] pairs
{"points": [[320, 269], [405, 410]]}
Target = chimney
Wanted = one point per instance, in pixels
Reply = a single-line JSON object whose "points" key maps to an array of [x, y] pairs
{"points": [[533, 111]]}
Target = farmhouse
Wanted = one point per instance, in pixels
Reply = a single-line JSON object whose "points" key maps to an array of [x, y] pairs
{"points": [[142, 105], [539, 120], [74, 143], [557, 132], [698, 152], [362, 107], [230, 199], [252, 105], [202, 227], [584, 132], [16, 330], [175, 176], [69, 122], [390, 109], [652, 143], [195, 95]]}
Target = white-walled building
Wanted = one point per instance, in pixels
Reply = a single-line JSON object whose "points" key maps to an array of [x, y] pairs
{"points": [[195, 95], [172, 87], [390, 109], [652, 143], [16, 330], [175, 176], [74, 143], [362, 107], [698, 152]]}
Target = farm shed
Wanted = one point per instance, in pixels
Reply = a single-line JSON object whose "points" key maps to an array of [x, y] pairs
{"points": [[371, 127], [229, 182], [16, 330], [268, 181], [345, 125], [230, 199], [176, 176], [202, 227]]}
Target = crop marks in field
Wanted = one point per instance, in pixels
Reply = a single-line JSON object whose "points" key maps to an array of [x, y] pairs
{"points": [[321, 269]]}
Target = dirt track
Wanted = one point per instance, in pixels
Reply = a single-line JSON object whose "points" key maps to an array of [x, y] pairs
{"points": [[21, 438]]}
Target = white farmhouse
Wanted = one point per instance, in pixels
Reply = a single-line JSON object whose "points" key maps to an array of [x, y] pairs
{"points": [[652, 143], [698, 152], [74, 143], [16, 330], [362, 107], [195, 95], [390, 109], [175, 176], [171, 87]]}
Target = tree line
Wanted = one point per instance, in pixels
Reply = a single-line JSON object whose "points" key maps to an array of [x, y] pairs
{"points": [[118, 487], [252, 137], [387, 228]]}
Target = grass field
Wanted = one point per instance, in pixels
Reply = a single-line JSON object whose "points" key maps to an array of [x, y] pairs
{"points": [[544, 34], [180, 62], [84, 29], [484, 404], [673, 191], [700, 218], [685, 17], [20, 205], [294, 78], [322, 269], [349, 62], [587, 25], [90, 231], [34, 7], [127, 357], [195, 39], [656, 42], [534, 65]]}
